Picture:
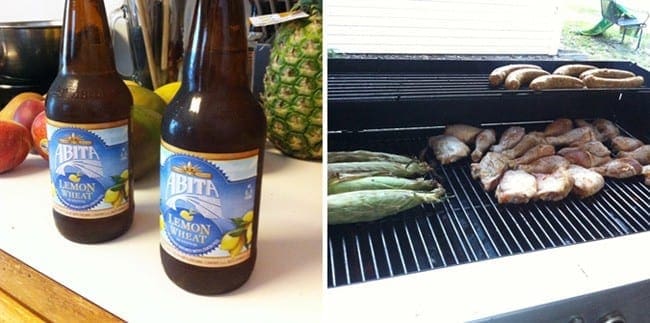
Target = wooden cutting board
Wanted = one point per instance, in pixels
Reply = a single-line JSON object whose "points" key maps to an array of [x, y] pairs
{"points": [[27, 295]]}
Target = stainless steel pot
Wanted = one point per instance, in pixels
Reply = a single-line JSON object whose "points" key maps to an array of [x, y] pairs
{"points": [[29, 51]]}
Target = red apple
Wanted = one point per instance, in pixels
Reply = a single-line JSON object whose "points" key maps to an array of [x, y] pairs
{"points": [[27, 111], [39, 135], [15, 143]]}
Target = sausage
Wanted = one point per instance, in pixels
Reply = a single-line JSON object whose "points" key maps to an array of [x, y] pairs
{"points": [[608, 73], [556, 82], [573, 69], [602, 82], [522, 76], [499, 74]]}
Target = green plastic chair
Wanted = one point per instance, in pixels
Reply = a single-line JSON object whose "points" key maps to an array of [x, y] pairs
{"points": [[616, 14]]}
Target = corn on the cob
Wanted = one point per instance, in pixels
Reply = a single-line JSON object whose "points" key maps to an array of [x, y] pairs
{"points": [[336, 186], [365, 155], [374, 168], [370, 205]]}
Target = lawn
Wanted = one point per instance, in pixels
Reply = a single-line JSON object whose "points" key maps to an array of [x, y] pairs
{"points": [[584, 14]]}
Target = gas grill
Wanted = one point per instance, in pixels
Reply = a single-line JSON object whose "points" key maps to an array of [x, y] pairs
{"points": [[395, 105]]}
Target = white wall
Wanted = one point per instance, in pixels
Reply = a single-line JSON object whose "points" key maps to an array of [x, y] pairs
{"points": [[28, 10], [443, 26]]}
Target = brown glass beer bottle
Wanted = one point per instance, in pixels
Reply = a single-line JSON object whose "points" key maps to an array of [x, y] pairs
{"points": [[212, 148], [88, 125]]}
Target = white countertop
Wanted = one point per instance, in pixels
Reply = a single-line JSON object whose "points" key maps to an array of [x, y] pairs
{"points": [[125, 275]]}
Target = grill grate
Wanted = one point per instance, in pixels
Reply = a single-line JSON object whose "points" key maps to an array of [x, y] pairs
{"points": [[364, 87], [470, 226], [374, 86]]}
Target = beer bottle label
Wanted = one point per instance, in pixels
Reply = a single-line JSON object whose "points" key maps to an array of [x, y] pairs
{"points": [[206, 203], [89, 167]]}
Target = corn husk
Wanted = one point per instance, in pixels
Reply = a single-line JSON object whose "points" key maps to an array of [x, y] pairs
{"points": [[371, 205], [336, 186], [365, 155], [377, 168]]}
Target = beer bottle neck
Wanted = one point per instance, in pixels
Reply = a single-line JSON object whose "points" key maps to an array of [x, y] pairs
{"points": [[86, 46], [217, 54]]}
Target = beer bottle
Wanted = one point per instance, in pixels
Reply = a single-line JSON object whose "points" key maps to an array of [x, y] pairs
{"points": [[212, 148], [88, 114]]}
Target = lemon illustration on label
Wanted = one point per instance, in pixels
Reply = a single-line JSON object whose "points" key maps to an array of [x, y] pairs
{"points": [[237, 249], [249, 233], [187, 215], [229, 242], [112, 196], [74, 178], [248, 217]]}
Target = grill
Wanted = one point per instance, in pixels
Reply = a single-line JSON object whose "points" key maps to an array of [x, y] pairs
{"points": [[395, 106]]}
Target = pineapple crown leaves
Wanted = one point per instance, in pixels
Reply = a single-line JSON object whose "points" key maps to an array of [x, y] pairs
{"points": [[309, 5]]}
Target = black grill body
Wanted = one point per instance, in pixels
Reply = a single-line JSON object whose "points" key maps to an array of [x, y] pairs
{"points": [[395, 105]]}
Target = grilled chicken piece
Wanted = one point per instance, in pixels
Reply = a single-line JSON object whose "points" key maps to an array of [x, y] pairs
{"points": [[590, 154], [465, 133], [509, 139], [619, 168], [558, 127], [606, 129], [529, 140], [484, 140], [645, 171], [545, 165], [583, 123], [574, 137], [516, 186], [641, 154], [596, 148], [448, 149], [581, 157], [620, 143], [533, 154], [554, 186], [490, 169], [586, 182]]}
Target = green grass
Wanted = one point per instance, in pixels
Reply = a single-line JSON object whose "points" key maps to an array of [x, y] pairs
{"points": [[582, 15]]}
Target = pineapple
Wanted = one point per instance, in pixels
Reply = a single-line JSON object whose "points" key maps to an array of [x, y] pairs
{"points": [[292, 97]]}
